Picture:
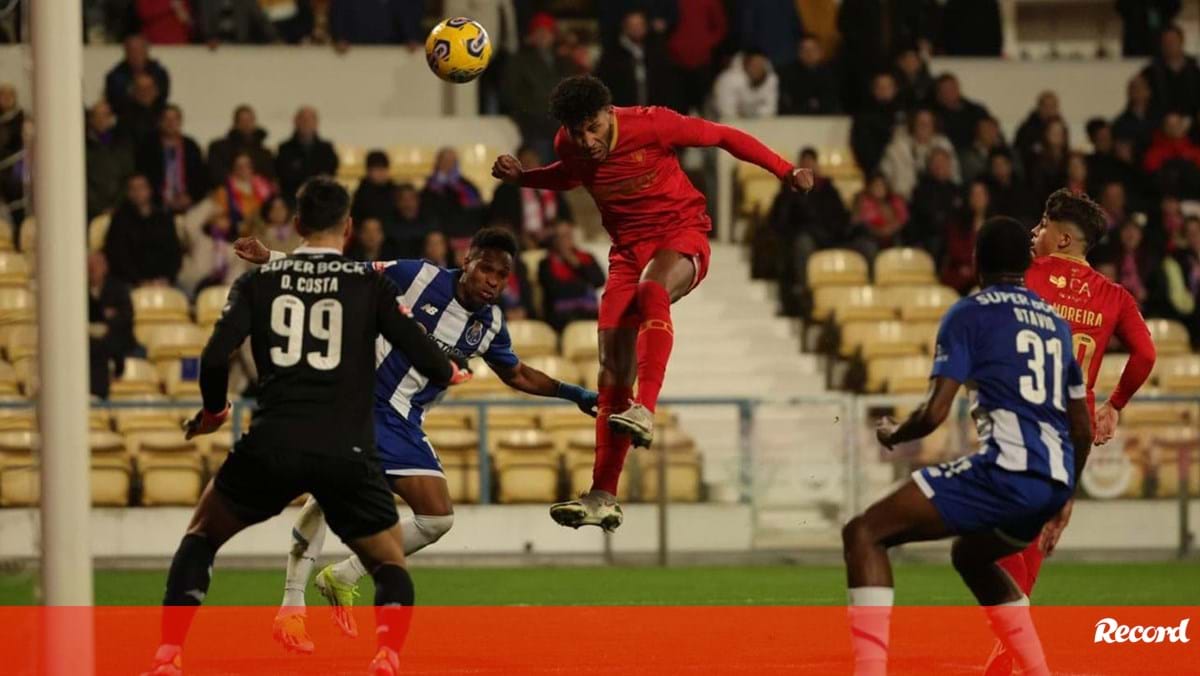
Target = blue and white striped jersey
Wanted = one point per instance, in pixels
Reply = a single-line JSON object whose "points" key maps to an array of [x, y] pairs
{"points": [[1015, 352], [428, 291]]}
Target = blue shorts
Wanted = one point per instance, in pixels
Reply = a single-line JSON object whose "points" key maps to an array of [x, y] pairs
{"points": [[974, 495], [403, 448]]}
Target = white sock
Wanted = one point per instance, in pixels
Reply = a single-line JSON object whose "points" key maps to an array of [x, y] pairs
{"points": [[1013, 625], [870, 621], [349, 570], [308, 537], [417, 532]]}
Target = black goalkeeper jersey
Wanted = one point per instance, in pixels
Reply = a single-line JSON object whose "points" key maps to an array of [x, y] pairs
{"points": [[313, 319]]}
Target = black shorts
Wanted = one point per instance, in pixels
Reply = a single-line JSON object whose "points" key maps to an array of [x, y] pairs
{"points": [[258, 483]]}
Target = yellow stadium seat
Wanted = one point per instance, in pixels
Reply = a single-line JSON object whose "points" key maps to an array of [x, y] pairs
{"points": [[175, 341], [175, 385], [591, 376], [532, 338], [880, 339], [1154, 414], [19, 483], [563, 422], [926, 303], [448, 418], [16, 419], [99, 420], [6, 236], [220, 445], [18, 443], [139, 377], [129, 421], [904, 265], [837, 267], [580, 342], [411, 163], [526, 468], [757, 193], [459, 452], [26, 371], [14, 270], [171, 468], [210, 304], [683, 468], [159, 305], [22, 342], [97, 232], [849, 304], [899, 375], [504, 420], [351, 161], [484, 383], [111, 478], [1110, 372], [1170, 337], [556, 367], [8, 380], [1178, 374], [17, 305], [28, 234]]}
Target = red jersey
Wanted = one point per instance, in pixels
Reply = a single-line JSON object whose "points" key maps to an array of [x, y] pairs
{"points": [[640, 188], [1096, 308]]}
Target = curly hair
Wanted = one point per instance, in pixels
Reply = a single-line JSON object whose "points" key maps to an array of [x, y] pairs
{"points": [[496, 238], [1079, 210], [1002, 247], [577, 99]]}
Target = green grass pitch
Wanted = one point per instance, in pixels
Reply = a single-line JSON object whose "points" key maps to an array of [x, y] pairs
{"points": [[916, 584]]}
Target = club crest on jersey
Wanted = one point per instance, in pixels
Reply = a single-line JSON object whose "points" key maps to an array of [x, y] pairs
{"points": [[429, 309], [1059, 281], [475, 332]]}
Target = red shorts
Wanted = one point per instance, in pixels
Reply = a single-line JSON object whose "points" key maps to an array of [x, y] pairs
{"points": [[618, 304]]}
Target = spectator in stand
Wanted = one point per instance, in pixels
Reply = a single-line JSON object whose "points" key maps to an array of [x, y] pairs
{"points": [[661, 15], [935, 200], [1029, 134], [1175, 285], [1138, 183], [209, 259], [16, 181], [1173, 158], [12, 118], [569, 277], [913, 78], [873, 125], [691, 45], [451, 199], [408, 226], [378, 22], [957, 115], [293, 20], [807, 222], [1112, 201], [436, 249], [1010, 197], [232, 22], [1102, 164], [245, 137], [138, 120], [516, 298], [1139, 120], [1133, 259], [1173, 76], [908, 153], [173, 164], [809, 86], [242, 196], [141, 245], [748, 88], [531, 211], [1047, 160], [304, 155], [573, 48], [880, 214], [528, 78], [1142, 21], [771, 27], [1077, 173], [371, 244], [118, 84], [958, 257], [972, 28], [636, 68], [373, 198], [165, 22], [973, 160], [277, 230], [108, 158], [820, 20], [1167, 228], [110, 324], [872, 32]]}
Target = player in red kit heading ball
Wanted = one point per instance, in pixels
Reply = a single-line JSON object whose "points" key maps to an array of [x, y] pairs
{"points": [[658, 222], [1097, 309]]}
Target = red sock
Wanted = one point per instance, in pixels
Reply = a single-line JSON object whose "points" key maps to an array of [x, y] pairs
{"points": [[1000, 662], [1033, 557], [1014, 565], [610, 448], [655, 338]]}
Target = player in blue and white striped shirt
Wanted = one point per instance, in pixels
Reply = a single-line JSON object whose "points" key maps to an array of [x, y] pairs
{"points": [[1030, 408], [457, 309]]}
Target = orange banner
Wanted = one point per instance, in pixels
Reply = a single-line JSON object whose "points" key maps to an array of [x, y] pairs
{"points": [[610, 640]]}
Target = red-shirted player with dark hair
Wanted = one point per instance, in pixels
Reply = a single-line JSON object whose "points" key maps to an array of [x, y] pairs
{"points": [[658, 221], [1097, 309]]}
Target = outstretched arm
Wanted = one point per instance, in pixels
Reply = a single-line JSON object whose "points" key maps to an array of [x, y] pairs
{"points": [[529, 380], [925, 419], [689, 132], [554, 176]]}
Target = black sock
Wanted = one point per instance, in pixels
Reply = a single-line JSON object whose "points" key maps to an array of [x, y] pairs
{"points": [[187, 585], [394, 598]]}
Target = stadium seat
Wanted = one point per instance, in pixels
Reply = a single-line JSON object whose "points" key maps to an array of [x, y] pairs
{"points": [[175, 341], [1110, 372], [880, 339], [899, 375], [14, 418], [756, 192], [531, 259], [833, 267], [1178, 374], [1170, 337], [209, 305], [8, 380], [448, 418], [1154, 414], [459, 453], [526, 467], [556, 367], [130, 421], [411, 164], [97, 232], [139, 377], [99, 420], [563, 422], [904, 265], [351, 161], [174, 384], [590, 376], [580, 457], [19, 483], [171, 468], [683, 468], [580, 343], [17, 305], [26, 371], [22, 342], [6, 236], [532, 338], [484, 383], [111, 470], [28, 235], [14, 270], [927, 303], [159, 305], [214, 449], [849, 304], [503, 420]]}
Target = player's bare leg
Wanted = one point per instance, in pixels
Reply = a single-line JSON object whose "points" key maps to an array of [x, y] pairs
{"points": [[212, 524], [618, 368], [382, 554], [433, 515], [668, 277], [308, 538]]}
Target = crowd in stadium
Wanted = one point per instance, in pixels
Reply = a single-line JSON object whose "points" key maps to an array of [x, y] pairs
{"points": [[935, 163]]}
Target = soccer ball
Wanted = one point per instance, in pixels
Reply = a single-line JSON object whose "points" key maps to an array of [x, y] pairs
{"points": [[458, 49]]}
